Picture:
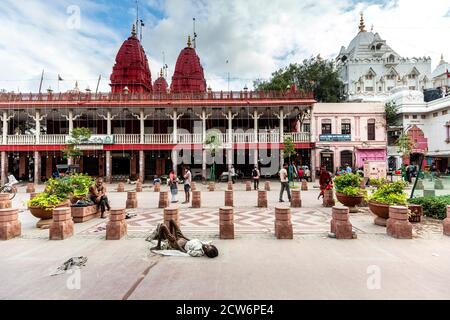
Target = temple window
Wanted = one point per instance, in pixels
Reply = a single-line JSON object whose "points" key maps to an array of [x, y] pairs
{"points": [[326, 126], [371, 129]]}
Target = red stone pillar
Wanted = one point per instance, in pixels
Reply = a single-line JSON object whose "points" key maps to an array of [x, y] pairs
{"points": [[121, 187], [133, 165], [138, 186], [49, 167], [30, 188], [398, 226], [416, 213], [226, 217], [62, 225], [10, 226], [228, 198], [267, 186], [447, 223], [157, 187], [296, 199], [212, 186], [163, 199], [22, 165], [131, 200], [283, 224], [230, 186], [340, 223], [193, 186], [248, 186], [5, 203], [171, 213], [328, 198], [304, 185], [116, 228], [262, 199], [196, 199]]}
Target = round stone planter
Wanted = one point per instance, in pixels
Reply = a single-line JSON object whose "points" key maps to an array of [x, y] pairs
{"points": [[44, 215], [349, 201], [381, 210]]}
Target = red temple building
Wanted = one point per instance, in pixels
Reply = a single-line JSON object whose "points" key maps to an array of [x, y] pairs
{"points": [[140, 130]]}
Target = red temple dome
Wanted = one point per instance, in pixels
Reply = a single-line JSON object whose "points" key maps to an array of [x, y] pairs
{"points": [[160, 85], [188, 75], [131, 69]]}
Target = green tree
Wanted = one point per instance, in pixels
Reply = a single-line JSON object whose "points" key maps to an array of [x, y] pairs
{"points": [[404, 145], [314, 74], [77, 136], [391, 110]]}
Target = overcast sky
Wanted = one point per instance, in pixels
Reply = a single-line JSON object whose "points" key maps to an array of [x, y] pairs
{"points": [[79, 39]]}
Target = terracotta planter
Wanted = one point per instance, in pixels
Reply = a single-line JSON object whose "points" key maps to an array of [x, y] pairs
{"points": [[379, 209], [349, 201], [46, 216]]}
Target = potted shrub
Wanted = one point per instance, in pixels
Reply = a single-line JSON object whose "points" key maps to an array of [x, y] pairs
{"points": [[42, 205], [349, 191], [80, 184], [388, 194]]}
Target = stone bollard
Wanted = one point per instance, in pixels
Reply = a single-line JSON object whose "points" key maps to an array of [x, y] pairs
{"points": [[62, 225], [296, 199], [138, 186], [340, 223], [30, 188], [193, 186], [230, 186], [304, 185], [328, 199], [283, 224], [447, 223], [121, 187], [262, 199], [171, 213], [226, 217], [211, 186], [228, 198], [248, 186], [196, 199], [10, 226], [163, 199], [5, 203], [398, 226], [158, 187], [416, 213], [267, 186], [131, 200], [116, 228]]}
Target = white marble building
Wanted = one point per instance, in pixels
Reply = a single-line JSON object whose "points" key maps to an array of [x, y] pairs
{"points": [[370, 69]]}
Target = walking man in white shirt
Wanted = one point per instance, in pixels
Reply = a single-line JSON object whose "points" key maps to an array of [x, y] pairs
{"points": [[187, 184], [284, 183]]}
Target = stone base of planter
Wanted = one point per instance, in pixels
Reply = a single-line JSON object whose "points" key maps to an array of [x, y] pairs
{"points": [[44, 223], [380, 221], [83, 214]]}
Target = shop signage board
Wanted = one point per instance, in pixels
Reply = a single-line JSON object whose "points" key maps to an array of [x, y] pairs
{"points": [[335, 137]]}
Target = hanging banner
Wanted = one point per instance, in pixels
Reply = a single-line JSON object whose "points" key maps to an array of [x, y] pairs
{"points": [[94, 139]]}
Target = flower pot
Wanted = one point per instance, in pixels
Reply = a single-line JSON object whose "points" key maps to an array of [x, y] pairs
{"points": [[349, 201], [381, 210], [44, 215]]}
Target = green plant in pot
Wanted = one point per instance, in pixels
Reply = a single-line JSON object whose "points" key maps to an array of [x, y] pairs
{"points": [[42, 205], [388, 194], [80, 186], [349, 191]]}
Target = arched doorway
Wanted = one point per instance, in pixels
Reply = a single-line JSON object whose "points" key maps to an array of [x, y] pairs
{"points": [[327, 160], [346, 158]]}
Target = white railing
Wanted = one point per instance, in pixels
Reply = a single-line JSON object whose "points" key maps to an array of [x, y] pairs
{"points": [[21, 140], [166, 138], [244, 138], [273, 137], [187, 138], [52, 139], [127, 138], [299, 136]]}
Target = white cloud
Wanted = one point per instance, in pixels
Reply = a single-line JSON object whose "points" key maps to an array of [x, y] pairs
{"points": [[257, 37]]}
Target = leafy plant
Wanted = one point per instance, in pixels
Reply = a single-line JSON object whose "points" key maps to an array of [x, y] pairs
{"points": [[349, 184], [391, 110], [404, 145], [77, 137], [434, 207], [45, 200], [80, 184], [391, 194], [377, 182]]}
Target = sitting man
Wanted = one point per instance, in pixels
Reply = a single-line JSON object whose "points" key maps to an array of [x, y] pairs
{"points": [[178, 241], [97, 194]]}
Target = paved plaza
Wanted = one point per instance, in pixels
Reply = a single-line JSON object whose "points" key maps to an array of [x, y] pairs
{"points": [[255, 265]]}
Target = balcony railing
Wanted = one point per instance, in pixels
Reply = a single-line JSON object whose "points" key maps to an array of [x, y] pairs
{"points": [[167, 138]]}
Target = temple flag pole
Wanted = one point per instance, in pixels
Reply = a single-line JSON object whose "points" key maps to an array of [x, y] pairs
{"points": [[42, 80], [98, 84]]}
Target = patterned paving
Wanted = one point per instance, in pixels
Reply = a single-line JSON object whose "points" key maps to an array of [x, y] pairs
{"points": [[246, 221]]}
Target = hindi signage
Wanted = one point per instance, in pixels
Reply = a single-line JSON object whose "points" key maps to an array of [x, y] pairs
{"points": [[94, 139], [335, 137]]}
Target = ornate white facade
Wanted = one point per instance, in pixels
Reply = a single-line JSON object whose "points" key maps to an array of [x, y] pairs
{"points": [[370, 69]]}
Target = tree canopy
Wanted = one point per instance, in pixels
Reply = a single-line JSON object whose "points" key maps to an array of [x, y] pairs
{"points": [[314, 74]]}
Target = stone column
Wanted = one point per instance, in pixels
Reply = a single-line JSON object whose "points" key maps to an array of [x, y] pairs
{"points": [[296, 199], [10, 226], [229, 198], [226, 220], [305, 185], [38, 126], [446, 223], [141, 165], [230, 140], [116, 228], [255, 136], [142, 125], [340, 223], [248, 186], [196, 199], [62, 225], [267, 186], [203, 118], [108, 164], [398, 226], [121, 187], [4, 167], [5, 203], [328, 199], [281, 136], [283, 224], [157, 187], [175, 141], [171, 213], [37, 167], [230, 186], [131, 200], [5, 127], [163, 199], [262, 199], [313, 165]]}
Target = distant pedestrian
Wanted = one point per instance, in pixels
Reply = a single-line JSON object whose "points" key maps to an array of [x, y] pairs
{"points": [[284, 179], [173, 185], [256, 175], [187, 184]]}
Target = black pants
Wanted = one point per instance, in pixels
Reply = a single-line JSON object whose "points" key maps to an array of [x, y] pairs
{"points": [[103, 203], [256, 184], [285, 186]]}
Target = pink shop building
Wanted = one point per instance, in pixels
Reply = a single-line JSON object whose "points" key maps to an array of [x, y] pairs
{"points": [[349, 133]]}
